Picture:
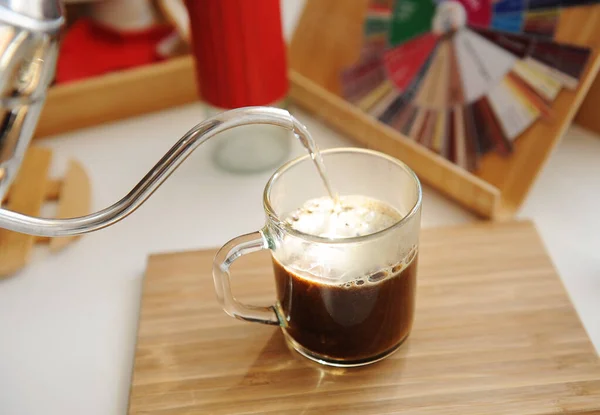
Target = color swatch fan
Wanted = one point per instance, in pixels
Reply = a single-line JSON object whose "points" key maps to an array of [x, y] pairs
{"points": [[463, 77]]}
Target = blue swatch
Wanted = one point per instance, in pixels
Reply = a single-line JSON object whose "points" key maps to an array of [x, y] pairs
{"points": [[510, 6], [508, 22]]}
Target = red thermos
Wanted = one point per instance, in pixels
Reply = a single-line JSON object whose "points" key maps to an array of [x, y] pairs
{"points": [[240, 60]]}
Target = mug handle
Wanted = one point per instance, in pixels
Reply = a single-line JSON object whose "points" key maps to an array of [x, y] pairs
{"points": [[232, 250]]}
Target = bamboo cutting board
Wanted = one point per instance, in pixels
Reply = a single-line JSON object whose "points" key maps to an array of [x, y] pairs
{"points": [[495, 333]]}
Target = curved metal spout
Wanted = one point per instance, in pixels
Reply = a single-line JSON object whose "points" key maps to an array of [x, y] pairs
{"points": [[157, 175]]}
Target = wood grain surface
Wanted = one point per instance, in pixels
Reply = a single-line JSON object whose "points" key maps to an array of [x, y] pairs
{"points": [[495, 333], [30, 191], [587, 116], [26, 196], [75, 200]]}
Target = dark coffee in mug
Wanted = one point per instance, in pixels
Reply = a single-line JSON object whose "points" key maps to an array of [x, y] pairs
{"points": [[347, 302]]}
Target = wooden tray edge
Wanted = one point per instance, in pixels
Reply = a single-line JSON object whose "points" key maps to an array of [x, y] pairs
{"points": [[117, 96]]}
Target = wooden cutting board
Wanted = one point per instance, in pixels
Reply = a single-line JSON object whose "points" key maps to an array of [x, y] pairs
{"points": [[495, 333]]}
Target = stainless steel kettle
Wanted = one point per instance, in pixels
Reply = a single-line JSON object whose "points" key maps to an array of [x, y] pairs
{"points": [[29, 33], [29, 44]]}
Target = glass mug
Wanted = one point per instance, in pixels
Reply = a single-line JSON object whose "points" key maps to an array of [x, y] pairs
{"points": [[340, 302]]}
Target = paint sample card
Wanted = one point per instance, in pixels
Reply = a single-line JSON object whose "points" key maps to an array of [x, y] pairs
{"points": [[390, 110], [543, 84], [529, 94], [433, 92], [380, 107], [425, 136], [362, 78], [410, 18], [479, 12], [511, 110], [407, 127], [377, 20], [499, 141], [372, 48], [449, 146], [531, 109], [518, 45], [541, 23], [419, 78], [482, 63], [508, 16], [471, 135], [501, 102], [401, 118], [459, 150], [376, 26], [440, 97], [570, 60], [565, 80], [427, 87], [375, 95], [417, 123], [509, 6], [485, 140], [381, 3], [545, 4], [508, 22], [455, 89], [403, 62], [440, 132], [575, 3], [394, 110]]}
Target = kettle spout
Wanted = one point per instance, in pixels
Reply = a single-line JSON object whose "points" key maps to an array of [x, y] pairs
{"points": [[157, 175]]}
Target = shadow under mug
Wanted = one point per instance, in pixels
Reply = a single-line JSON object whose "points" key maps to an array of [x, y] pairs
{"points": [[341, 302]]}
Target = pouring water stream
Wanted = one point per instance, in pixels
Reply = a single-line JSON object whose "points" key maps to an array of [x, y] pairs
{"points": [[311, 146]]}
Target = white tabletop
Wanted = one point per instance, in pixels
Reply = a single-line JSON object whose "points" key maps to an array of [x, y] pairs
{"points": [[68, 321]]}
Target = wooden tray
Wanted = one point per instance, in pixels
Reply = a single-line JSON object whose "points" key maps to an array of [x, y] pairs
{"points": [[328, 38], [587, 116], [33, 188], [495, 333], [117, 96]]}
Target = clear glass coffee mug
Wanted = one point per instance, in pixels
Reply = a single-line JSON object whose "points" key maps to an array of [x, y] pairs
{"points": [[341, 302]]}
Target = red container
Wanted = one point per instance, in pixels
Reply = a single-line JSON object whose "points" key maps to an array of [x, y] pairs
{"points": [[239, 51]]}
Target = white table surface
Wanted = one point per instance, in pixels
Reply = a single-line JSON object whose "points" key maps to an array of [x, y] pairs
{"points": [[68, 321]]}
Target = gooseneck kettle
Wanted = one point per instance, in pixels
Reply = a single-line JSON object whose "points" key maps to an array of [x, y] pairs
{"points": [[29, 46]]}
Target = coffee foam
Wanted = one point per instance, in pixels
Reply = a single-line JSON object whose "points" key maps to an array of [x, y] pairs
{"points": [[344, 263], [352, 216]]}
